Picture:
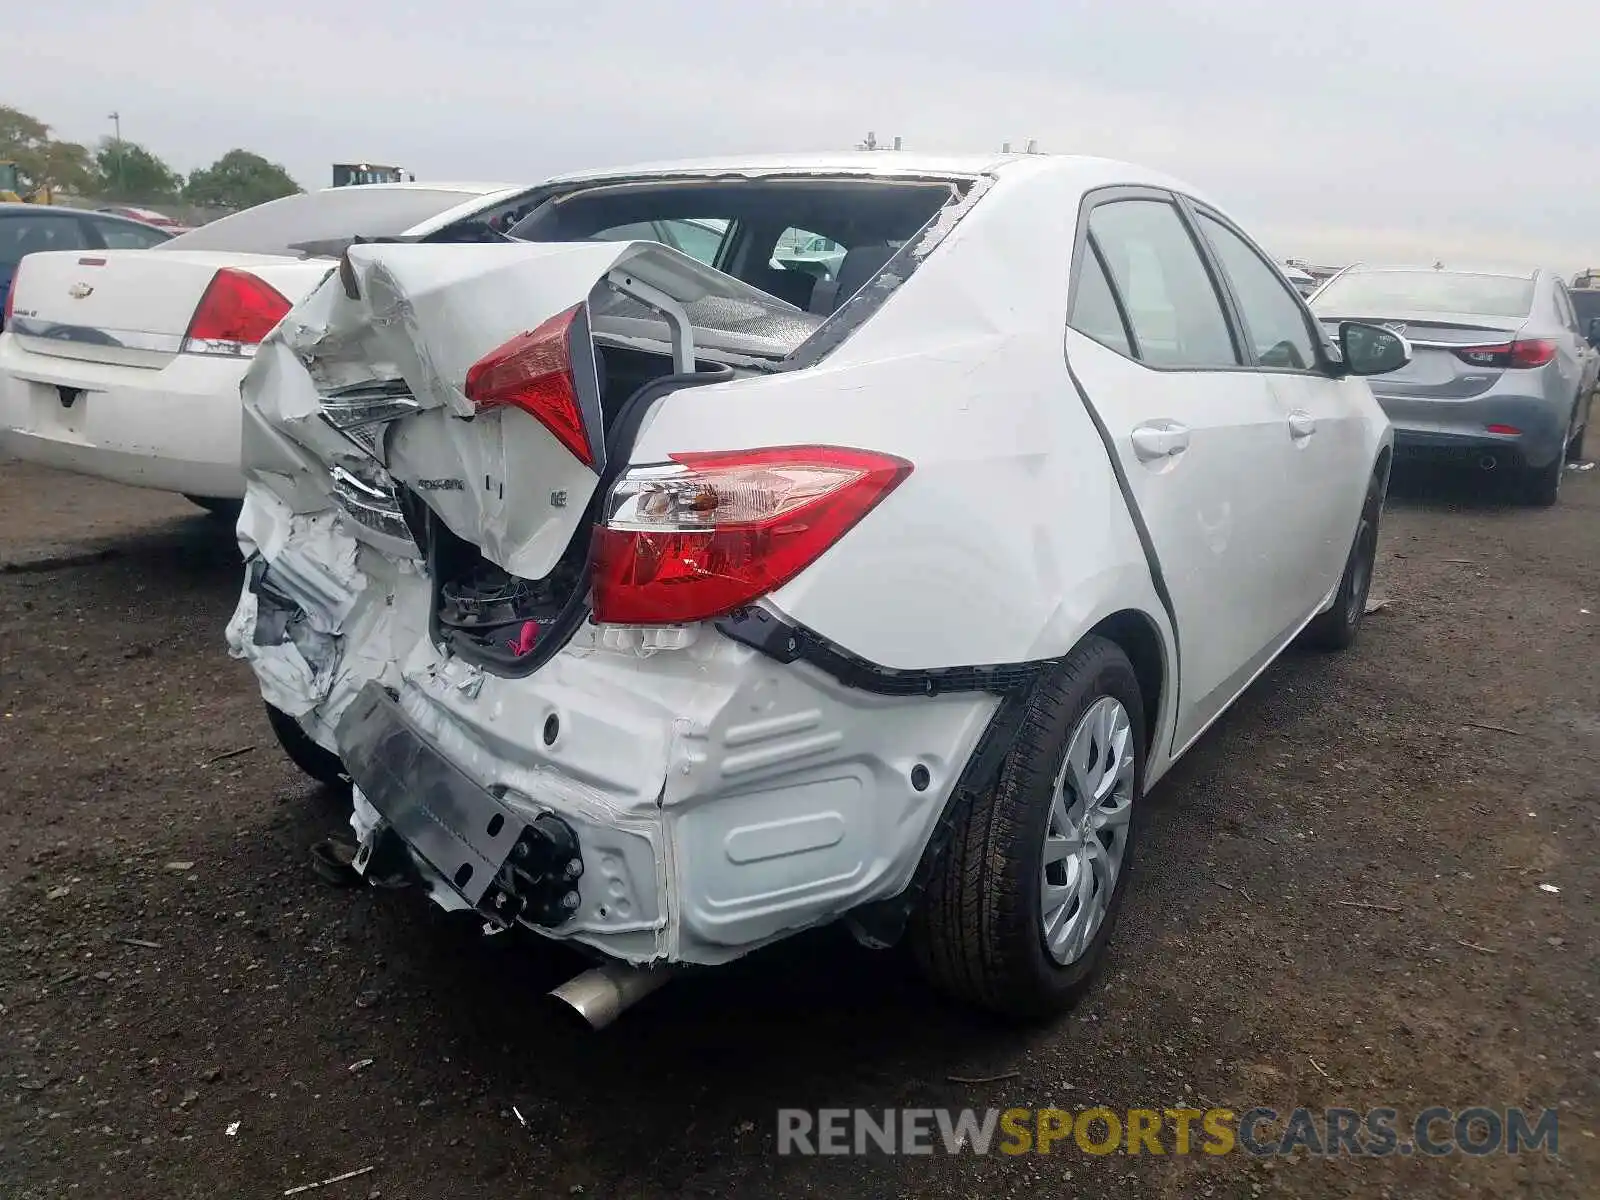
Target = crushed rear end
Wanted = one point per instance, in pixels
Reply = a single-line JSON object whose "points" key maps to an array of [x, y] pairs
{"points": [[511, 634]]}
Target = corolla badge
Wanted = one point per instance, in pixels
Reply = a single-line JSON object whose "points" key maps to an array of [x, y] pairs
{"points": [[79, 290]]}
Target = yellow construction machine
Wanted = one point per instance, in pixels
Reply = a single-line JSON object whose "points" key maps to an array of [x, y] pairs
{"points": [[11, 188]]}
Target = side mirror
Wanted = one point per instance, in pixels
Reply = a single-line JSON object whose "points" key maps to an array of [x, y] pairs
{"points": [[1594, 331], [1371, 349]]}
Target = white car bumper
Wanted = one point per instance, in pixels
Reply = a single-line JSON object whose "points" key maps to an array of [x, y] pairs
{"points": [[174, 428], [717, 799]]}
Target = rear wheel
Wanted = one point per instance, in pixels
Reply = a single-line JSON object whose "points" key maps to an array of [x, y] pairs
{"points": [[1542, 485], [1575, 444], [311, 758], [1020, 910], [1337, 628], [222, 508]]}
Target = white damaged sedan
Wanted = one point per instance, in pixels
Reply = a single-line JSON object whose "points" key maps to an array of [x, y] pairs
{"points": [[666, 601]]}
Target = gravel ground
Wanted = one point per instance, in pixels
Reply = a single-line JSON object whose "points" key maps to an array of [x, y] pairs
{"points": [[1339, 902]]}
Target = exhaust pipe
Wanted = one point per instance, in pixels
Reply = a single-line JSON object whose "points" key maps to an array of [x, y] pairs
{"points": [[603, 994], [1488, 462]]}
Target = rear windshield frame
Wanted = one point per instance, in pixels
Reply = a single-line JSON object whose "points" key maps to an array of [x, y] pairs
{"points": [[832, 329], [1405, 291]]}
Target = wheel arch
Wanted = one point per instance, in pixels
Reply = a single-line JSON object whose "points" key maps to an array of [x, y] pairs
{"points": [[1138, 636]]}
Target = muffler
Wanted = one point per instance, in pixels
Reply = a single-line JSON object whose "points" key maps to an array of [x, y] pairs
{"points": [[1488, 462], [603, 994]]}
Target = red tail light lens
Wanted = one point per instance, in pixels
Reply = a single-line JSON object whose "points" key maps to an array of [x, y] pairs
{"points": [[533, 372], [1515, 355], [1532, 352], [712, 532], [236, 312]]}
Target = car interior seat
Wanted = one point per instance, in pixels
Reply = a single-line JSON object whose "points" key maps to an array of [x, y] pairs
{"points": [[794, 286], [855, 269]]}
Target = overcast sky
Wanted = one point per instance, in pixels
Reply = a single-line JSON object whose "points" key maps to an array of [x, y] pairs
{"points": [[1357, 128]]}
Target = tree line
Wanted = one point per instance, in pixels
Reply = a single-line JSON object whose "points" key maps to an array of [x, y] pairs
{"points": [[123, 170]]}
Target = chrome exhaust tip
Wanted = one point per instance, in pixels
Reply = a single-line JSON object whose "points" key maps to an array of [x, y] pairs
{"points": [[1488, 462], [604, 993]]}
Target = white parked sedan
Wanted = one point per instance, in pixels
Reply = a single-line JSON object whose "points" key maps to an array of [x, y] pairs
{"points": [[652, 612], [125, 364]]}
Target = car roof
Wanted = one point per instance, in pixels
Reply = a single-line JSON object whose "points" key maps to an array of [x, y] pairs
{"points": [[9, 207], [1084, 170], [845, 162], [472, 188], [850, 161]]}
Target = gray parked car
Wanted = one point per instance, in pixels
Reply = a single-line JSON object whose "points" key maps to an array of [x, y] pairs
{"points": [[1501, 373]]}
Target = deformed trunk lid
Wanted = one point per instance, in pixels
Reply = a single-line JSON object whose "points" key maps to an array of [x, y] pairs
{"points": [[424, 314]]}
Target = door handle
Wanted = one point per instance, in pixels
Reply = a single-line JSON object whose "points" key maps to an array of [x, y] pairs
{"points": [[1301, 425], [1160, 440]]}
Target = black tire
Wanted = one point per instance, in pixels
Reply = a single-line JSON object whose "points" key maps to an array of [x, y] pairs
{"points": [[1542, 485], [1338, 628], [311, 758], [218, 507], [978, 935]]}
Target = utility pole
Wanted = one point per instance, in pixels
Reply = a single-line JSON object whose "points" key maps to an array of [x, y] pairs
{"points": [[116, 123]]}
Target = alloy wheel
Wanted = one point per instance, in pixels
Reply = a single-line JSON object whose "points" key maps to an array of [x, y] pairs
{"points": [[1086, 835]]}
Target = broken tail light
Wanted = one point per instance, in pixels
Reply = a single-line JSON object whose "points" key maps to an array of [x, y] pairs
{"points": [[534, 372], [709, 533], [237, 311], [1519, 354]]}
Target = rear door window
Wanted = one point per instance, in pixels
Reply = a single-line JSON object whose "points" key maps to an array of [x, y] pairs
{"points": [[127, 235], [1094, 306], [1564, 312], [35, 233], [1174, 309], [699, 237], [1586, 306]]}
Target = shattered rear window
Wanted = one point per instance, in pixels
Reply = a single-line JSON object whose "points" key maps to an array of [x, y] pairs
{"points": [[862, 220]]}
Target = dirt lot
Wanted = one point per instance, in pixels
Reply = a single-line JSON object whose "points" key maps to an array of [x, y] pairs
{"points": [[169, 964]]}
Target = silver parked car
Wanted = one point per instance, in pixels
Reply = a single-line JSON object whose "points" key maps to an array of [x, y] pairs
{"points": [[1501, 373]]}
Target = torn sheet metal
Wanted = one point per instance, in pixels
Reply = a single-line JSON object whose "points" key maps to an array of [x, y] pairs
{"points": [[423, 315], [302, 582], [295, 673]]}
